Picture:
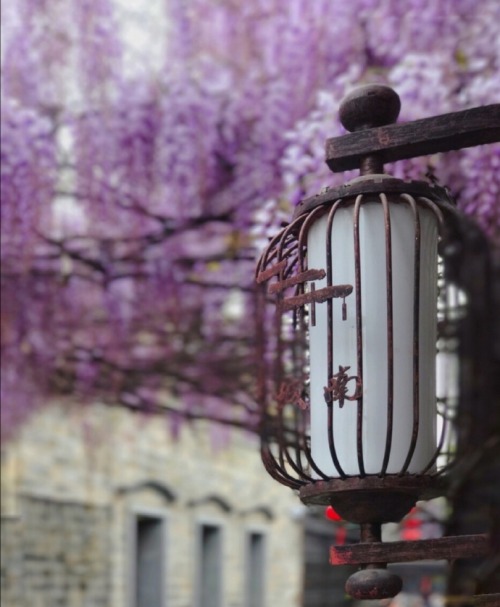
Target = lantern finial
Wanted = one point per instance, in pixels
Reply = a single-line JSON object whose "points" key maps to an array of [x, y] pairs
{"points": [[369, 106]]}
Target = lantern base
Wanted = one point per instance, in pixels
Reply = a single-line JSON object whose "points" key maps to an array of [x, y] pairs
{"points": [[372, 499]]}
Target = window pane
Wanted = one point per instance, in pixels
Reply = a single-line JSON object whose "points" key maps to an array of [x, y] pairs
{"points": [[210, 567], [149, 561], [255, 570]]}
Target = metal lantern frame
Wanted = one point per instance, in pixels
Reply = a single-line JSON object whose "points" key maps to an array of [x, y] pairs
{"points": [[371, 499], [293, 286]]}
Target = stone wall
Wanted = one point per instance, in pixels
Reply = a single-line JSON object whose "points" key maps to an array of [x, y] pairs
{"points": [[56, 554], [75, 478], [11, 570]]}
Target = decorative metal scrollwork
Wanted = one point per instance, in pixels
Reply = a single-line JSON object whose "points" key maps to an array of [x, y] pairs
{"points": [[300, 299], [337, 387], [290, 393]]}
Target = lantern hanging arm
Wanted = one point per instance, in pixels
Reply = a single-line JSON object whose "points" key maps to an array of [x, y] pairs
{"points": [[369, 111]]}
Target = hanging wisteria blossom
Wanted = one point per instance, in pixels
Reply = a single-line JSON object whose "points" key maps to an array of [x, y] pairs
{"points": [[134, 201]]}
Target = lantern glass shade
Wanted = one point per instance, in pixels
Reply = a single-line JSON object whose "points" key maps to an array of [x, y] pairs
{"points": [[381, 338]]}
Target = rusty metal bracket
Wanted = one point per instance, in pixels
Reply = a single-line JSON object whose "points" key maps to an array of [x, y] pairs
{"points": [[326, 293], [448, 548], [316, 296], [392, 142]]}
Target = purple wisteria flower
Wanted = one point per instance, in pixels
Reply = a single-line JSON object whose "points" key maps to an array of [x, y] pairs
{"points": [[133, 207]]}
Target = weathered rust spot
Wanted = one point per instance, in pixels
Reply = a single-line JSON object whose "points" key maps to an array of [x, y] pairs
{"points": [[383, 136]]}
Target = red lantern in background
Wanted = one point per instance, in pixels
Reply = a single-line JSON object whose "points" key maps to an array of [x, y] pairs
{"points": [[411, 526], [332, 515], [340, 530]]}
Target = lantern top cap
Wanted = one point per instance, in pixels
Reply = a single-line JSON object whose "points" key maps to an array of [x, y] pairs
{"points": [[369, 106]]}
